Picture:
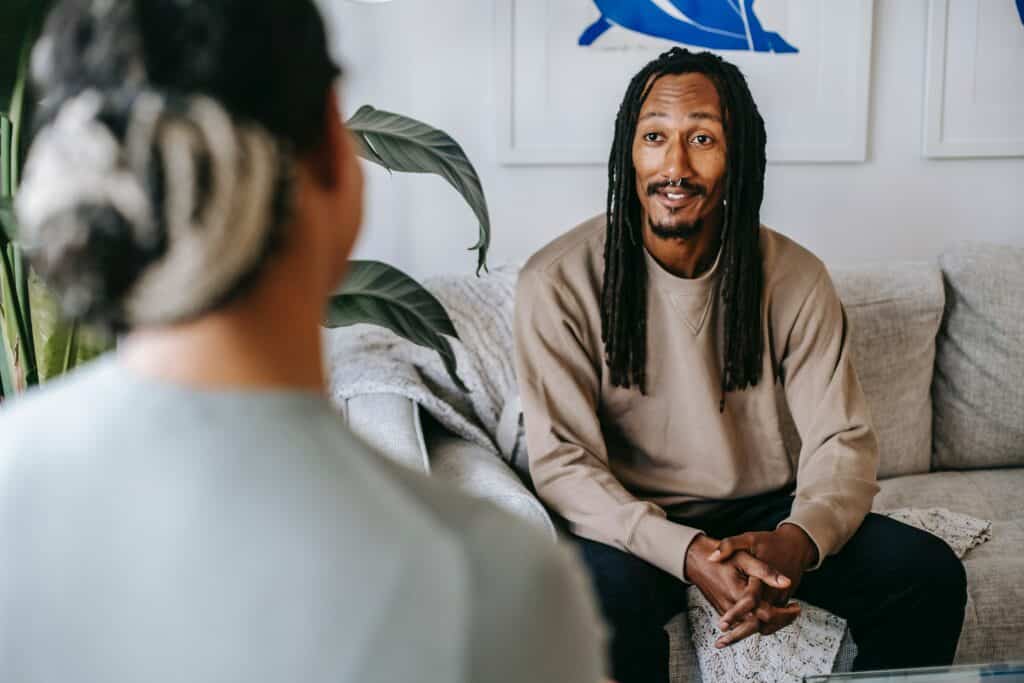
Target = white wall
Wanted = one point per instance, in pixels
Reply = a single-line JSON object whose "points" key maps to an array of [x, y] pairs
{"points": [[434, 60]]}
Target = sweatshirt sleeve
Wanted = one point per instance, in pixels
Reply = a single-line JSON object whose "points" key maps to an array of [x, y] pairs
{"points": [[559, 383], [838, 462]]}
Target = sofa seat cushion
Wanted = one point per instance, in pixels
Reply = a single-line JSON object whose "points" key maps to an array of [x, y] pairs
{"points": [[979, 364], [987, 494], [482, 474], [994, 619], [390, 424]]}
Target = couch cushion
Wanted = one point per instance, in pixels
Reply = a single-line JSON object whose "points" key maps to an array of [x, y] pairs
{"points": [[894, 311], [480, 473], [994, 618], [987, 494], [390, 424], [979, 366]]}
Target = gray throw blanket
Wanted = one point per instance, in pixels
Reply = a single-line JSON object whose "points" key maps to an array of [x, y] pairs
{"points": [[369, 360]]}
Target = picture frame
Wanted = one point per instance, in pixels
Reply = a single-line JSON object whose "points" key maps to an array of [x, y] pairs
{"points": [[557, 100], [972, 104]]}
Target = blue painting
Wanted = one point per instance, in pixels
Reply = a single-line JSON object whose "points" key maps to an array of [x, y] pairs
{"points": [[715, 24], [1020, 10]]}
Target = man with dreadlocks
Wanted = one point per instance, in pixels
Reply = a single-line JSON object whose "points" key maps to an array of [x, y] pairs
{"points": [[655, 346]]}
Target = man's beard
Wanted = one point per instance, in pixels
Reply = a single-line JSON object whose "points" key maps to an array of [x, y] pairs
{"points": [[685, 231]]}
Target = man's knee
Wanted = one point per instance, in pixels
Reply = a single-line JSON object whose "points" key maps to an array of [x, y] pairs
{"points": [[947, 575], [935, 590], [628, 588], [929, 566]]}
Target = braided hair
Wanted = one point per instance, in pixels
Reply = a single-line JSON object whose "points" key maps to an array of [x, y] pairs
{"points": [[624, 292], [159, 182]]}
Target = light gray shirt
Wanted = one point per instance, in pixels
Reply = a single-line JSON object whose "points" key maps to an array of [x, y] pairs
{"points": [[152, 532]]}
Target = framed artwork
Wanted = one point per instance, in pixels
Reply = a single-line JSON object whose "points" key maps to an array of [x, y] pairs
{"points": [[974, 89], [563, 66]]}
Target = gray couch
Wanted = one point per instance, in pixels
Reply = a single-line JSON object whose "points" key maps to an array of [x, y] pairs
{"points": [[940, 352]]}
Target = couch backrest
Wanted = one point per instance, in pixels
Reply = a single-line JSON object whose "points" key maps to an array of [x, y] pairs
{"points": [[894, 311], [979, 367]]}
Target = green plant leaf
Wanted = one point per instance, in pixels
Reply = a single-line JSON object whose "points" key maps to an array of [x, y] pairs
{"points": [[17, 109], [92, 343], [14, 330], [18, 19], [65, 343], [22, 270], [60, 351], [399, 143], [8, 224], [379, 294], [6, 156], [52, 333], [6, 363]]}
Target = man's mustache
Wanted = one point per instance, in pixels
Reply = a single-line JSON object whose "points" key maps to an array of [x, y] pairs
{"points": [[683, 184]]}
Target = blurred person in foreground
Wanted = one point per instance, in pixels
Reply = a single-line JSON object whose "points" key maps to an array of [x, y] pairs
{"points": [[190, 507]]}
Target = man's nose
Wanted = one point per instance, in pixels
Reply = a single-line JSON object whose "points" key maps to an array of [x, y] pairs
{"points": [[677, 160]]}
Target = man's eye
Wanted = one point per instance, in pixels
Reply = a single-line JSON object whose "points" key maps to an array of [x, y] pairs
{"points": [[702, 139]]}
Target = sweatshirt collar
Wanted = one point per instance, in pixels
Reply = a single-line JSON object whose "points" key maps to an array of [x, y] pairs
{"points": [[673, 284]]}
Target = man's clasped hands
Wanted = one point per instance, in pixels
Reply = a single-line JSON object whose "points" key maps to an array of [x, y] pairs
{"points": [[750, 578]]}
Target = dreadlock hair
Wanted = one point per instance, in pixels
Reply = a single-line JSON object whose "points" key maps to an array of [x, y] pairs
{"points": [[624, 292]]}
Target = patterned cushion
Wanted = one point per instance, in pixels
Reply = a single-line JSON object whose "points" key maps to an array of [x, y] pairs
{"points": [[979, 368], [894, 311]]}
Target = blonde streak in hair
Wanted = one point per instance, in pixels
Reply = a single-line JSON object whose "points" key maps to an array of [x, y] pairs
{"points": [[220, 137], [204, 260], [178, 145], [164, 290], [54, 180], [75, 161], [245, 237], [147, 111], [237, 242], [168, 289], [41, 63]]}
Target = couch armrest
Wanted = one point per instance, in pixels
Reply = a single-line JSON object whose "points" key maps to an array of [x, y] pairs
{"points": [[390, 424], [478, 472]]}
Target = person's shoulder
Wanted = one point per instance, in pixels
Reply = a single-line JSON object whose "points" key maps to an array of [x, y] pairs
{"points": [[567, 274], [571, 251], [495, 541], [29, 418], [530, 586], [521, 582], [790, 269]]}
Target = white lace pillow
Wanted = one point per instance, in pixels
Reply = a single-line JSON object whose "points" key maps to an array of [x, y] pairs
{"points": [[809, 645]]}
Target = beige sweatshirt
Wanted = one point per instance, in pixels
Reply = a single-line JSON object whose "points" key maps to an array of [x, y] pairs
{"points": [[611, 460]]}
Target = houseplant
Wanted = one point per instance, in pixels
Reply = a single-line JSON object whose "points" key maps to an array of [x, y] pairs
{"points": [[36, 343]]}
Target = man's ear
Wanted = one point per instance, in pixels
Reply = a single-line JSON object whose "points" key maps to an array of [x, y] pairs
{"points": [[324, 160]]}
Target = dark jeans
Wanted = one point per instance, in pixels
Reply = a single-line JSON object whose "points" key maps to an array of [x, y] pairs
{"points": [[902, 591]]}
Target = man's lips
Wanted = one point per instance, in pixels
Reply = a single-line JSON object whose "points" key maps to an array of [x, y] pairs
{"points": [[675, 198]]}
